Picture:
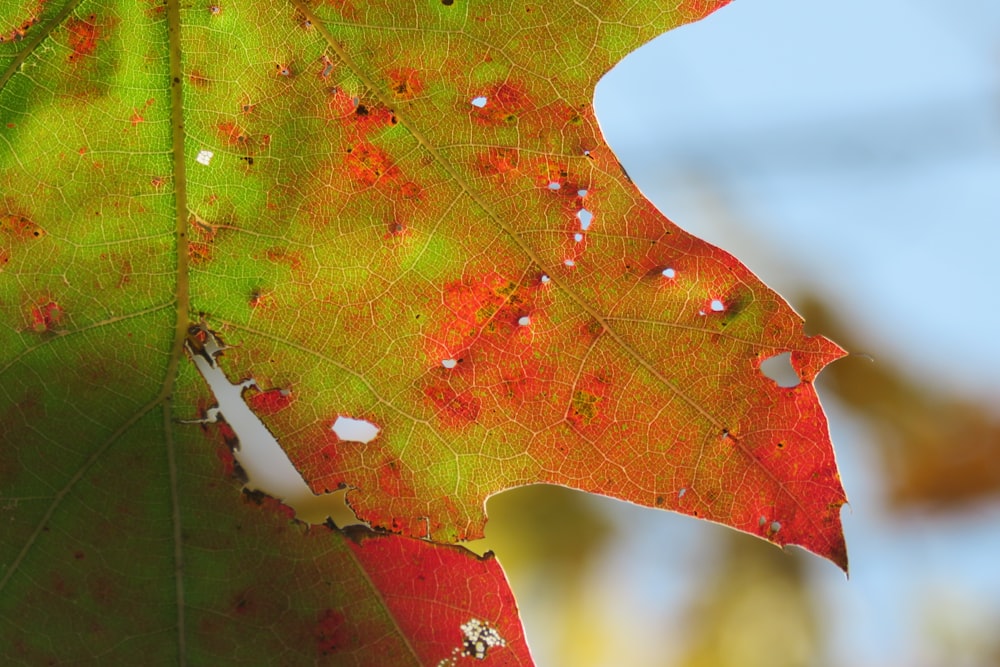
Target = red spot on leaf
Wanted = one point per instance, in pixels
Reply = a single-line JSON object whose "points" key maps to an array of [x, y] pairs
{"points": [[225, 455], [410, 190], [369, 165], [270, 401], [284, 256], [342, 104], [391, 479], [199, 252], [233, 134], [405, 83], [83, 36], [368, 116], [461, 407], [45, 316], [484, 309], [504, 102], [332, 632], [198, 79], [61, 587], [497, 161]]}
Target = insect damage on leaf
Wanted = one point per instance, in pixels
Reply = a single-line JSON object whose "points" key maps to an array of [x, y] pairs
{"points": [[478, 639], [417, 240]]}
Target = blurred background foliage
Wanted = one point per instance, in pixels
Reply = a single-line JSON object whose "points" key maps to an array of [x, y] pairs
{"points": [[849, 153]]}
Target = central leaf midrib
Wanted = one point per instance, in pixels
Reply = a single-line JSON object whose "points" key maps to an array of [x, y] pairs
{"points": [[182, 302]]}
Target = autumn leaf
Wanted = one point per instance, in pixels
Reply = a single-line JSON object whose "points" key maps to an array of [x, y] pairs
{"points": [[400, 214]]}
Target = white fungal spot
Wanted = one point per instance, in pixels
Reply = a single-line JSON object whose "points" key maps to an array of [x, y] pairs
{"points": [[775, 526], [578, 237], [669, 273], [480, 637], [569, 262], [762, 522], [523, 321], [479, 102], [355, 430], [554, 185], [718, 306], [204, 157], [585, 218], [449, 363]]}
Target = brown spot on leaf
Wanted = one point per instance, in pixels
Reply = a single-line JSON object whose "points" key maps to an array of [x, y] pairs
{"points": [[17, 31], [233, 134], [369, 165], [83, 36], [405, 83], [18, 227]]}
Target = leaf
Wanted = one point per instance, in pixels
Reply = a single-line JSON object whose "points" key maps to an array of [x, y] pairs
{"points": [[402, 214]]}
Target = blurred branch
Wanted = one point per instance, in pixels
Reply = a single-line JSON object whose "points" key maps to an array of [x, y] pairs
{"points": [[940, 452]]}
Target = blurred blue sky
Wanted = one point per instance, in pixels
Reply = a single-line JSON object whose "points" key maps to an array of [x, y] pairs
{"points": [[851, 148], [858, 144]]}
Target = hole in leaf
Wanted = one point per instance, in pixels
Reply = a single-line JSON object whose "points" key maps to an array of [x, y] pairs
{"points": [[355, 430], [554, 185], [524, 321], [269, 470], [581, 193], [479, 102], [449, 363], [779, 369], [585, 218], [578, 237], [669, 273], [717, 306]]}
